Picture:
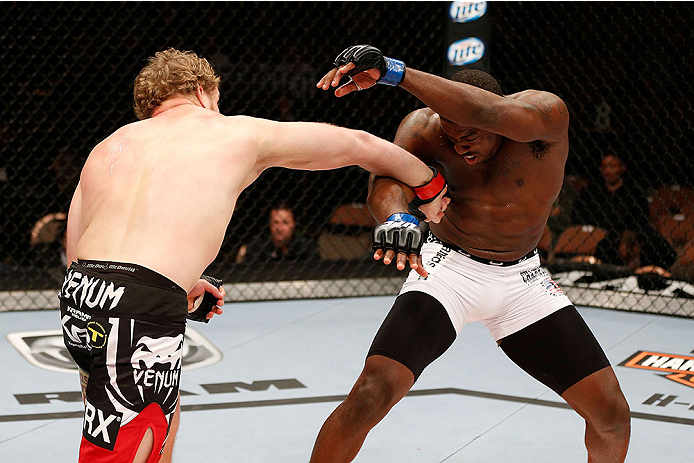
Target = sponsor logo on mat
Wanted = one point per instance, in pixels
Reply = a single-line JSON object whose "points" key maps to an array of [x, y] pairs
{"points": [[675, 367]]}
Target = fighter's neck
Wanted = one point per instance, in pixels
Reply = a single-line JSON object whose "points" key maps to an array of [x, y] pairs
{"points": [[172, 103]]}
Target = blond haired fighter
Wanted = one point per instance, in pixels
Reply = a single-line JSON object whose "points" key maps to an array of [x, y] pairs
{"points": [[148, 216]]}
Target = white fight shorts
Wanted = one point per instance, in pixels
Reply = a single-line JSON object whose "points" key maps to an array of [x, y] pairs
{"points": [[505, 296]]}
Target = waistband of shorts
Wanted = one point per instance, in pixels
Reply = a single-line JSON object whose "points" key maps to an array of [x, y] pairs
{"points": [[496, 263], [129, 271]]}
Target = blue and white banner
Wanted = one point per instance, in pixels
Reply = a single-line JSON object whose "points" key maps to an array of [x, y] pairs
{"points": [[468, 34]]}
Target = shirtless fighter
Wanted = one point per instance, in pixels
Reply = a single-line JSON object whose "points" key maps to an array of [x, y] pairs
{"points": [[148, 216], [503, 156]]}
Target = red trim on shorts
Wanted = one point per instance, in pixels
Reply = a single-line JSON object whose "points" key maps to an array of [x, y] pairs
{"points": [[129, 438]]}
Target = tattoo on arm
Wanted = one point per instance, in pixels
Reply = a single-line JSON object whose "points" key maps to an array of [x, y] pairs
{"points": [[411, 135], [544, 108], [563, 110]]}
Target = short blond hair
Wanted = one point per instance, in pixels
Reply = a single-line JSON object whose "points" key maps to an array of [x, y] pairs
{"points": [[170, 72]]}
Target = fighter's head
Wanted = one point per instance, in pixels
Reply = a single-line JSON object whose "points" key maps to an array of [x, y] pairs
{"points": [[474, 144], [478, 78], [173, 72]]}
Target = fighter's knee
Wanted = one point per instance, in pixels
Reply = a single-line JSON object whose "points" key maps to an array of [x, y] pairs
{"points": [[375, 393], [614, 418]]}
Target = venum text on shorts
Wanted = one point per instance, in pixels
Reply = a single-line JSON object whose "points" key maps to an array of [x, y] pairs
{"points": [[91, 291]]}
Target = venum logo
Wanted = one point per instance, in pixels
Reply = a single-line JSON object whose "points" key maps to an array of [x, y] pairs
{"points": [[157, 372], [466, 51], [678, 368], [90, 291], [99, 427], [462, 12]]}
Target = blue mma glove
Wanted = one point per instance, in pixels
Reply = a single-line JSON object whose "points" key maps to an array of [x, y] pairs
{"points": [[367, 57], [401, 233], [208, 302]]}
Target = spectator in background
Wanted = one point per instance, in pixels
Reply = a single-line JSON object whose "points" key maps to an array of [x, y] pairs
{"points": [[643, 252], [282, 243], [619, 206], [616, 204]]}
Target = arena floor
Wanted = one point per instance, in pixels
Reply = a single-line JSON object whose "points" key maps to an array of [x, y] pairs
{"points": [[260, 380]]}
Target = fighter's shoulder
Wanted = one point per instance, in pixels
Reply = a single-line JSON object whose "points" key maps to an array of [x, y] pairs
{"points": [[116, 136], [419, 125], [248, 123], [422, 119]]}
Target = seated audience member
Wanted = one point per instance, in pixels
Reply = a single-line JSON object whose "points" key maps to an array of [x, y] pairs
{"points": [[282, 242], [647, 254], [616, 204], [641, 252]]}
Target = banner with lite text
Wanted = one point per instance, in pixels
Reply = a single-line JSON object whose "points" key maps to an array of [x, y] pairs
{"points": [[468, 35]]}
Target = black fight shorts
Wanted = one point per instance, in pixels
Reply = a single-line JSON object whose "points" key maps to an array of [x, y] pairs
{"points": [[558, 350], [124, 326]]}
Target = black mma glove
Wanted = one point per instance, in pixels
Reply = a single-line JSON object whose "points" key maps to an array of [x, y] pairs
{"points": [[427, 193], [401, 233], [207, 302], [367, 57]]}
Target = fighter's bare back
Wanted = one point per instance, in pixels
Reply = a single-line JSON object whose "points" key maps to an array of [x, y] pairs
{"points": [[498, 208], [127, 194]]}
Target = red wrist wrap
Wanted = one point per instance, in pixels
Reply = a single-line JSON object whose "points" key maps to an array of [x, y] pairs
{"points": [[432, 188]]}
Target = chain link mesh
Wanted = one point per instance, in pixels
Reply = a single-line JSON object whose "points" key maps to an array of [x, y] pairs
{"points": [[623, 69]]}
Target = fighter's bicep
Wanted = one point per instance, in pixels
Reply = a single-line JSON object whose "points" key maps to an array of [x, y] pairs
{"points": [[306, 145], [533, 115]]}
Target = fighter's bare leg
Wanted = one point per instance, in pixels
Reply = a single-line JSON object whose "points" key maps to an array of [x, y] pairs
{"points": [[382, 383], [145, 448], [600, 401], [416, 331], [167, 455], [577, 369]]}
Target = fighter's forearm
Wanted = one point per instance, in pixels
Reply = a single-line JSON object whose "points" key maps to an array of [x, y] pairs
{"points": [[313, 146], [387, 197], [460, 103], [388, 160]]}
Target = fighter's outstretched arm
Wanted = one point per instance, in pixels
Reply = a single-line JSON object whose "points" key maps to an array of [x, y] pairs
{"points": [[524, 117], [315, 146]]}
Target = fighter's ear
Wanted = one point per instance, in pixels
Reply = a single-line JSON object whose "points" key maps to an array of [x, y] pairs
{"points": [[200, 94]]}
